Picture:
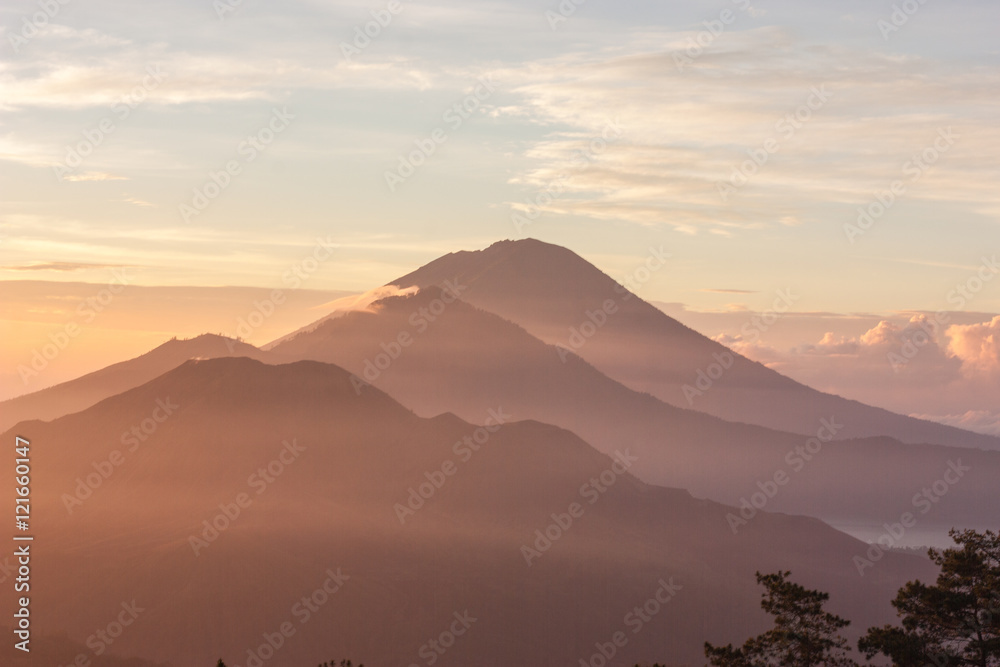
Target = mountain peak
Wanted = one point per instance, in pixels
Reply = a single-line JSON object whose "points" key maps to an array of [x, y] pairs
{"points": [[87, 390], [555, 295], [522, 270], [527, 243], [205, 341]]}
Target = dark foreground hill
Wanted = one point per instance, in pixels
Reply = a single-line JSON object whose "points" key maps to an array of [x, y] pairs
{"points": [[229, 500]]}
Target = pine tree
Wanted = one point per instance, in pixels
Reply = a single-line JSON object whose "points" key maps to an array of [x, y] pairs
{"points": [[804, 634], [954, 623]]}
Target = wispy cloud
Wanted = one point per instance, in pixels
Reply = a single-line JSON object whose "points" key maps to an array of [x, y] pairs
{"points": [[94, 176], [686, 131], [61, 266]]}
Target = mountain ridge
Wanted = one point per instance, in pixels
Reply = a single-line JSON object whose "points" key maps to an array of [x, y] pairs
{"points": [[468, 360], [331, 510], [84, 391], [539, 286]]}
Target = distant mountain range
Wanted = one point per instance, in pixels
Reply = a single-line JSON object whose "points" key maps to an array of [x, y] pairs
{"points": [[215, 483], [467, 361], [75, 395]]}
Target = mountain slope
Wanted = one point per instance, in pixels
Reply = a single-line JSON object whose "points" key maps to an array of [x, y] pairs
{"points": [[86, 390], [439, 357], [301, 475], [548, 290]]}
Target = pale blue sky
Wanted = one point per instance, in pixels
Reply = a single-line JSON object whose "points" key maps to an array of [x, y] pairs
{"points": [[656, 184]]}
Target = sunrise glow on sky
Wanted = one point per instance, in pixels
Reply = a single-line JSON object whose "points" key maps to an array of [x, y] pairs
{"points": [[844, 150]]}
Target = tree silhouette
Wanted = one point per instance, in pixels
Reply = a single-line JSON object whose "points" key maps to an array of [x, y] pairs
{"points": [[954, 623], [804, 634]]}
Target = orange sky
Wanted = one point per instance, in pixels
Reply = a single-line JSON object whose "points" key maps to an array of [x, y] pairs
{"points": [[36, 314]]}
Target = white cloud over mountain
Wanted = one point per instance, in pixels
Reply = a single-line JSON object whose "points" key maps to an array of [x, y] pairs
{"points": [[910, 364]]}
